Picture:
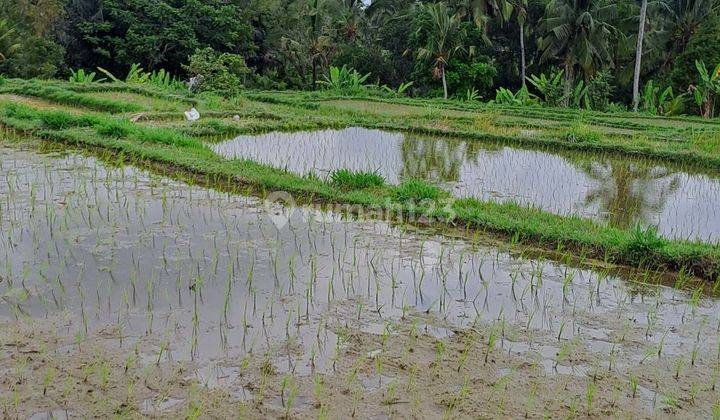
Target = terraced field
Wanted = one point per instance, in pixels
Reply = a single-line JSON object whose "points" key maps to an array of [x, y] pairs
{"points": [[301, 255]]}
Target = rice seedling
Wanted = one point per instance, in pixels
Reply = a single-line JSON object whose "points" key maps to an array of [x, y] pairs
{"points": [[590, 392]]}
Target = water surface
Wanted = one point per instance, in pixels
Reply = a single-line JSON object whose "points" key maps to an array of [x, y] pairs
{"points": [[616, 190], [213, 276]]}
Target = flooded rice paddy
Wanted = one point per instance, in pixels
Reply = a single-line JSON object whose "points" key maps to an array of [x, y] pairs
{"points": [[615, 190], [202, 276]]}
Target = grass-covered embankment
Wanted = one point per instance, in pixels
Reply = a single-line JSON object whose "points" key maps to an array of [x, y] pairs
{"points": [[683, 140], [174, 151]]}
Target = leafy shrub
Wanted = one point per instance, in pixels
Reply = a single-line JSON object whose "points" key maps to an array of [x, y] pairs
{"points": [[616, 107], [477, 75], [580, 97], [347, 179], [600, 89], [471, 95], [164, 80], [269, 81], [137, 75], [417, 189], [707, 88], [220, 73]]}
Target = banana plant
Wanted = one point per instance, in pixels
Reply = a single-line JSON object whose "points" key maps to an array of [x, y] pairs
{"points": [[80, 76], [657, 102], [551, 88], [522, 97], [400, 91], [344, 79], [707, 88], [581, 96], [160, 78], [472, 95]]}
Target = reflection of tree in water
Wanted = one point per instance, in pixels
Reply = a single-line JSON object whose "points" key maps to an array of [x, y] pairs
{"points": [[628, 192], [438, 159]]}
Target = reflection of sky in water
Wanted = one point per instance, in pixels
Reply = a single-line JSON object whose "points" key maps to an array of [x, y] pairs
{"points": [[620, 191]]}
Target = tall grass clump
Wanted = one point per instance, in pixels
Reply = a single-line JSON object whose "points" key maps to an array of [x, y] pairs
{"points": [[418, 190], [644, 244], [349, 180], [57, 120], [581, 133], [707, 141]]}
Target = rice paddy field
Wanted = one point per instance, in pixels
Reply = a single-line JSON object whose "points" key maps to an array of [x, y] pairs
{"points": [[300, 255]]}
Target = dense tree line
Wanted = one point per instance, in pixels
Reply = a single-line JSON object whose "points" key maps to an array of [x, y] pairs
{"points": [[607, 50]]}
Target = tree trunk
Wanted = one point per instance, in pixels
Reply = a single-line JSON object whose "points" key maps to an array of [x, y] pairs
{"points": [[314, 75], [442, 72], [522, 54], [568, 83], [638, 56]]}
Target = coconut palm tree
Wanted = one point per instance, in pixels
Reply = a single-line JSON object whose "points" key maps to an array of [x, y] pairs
{"points": [[578, 32], [649, 11], [444, 38], [7, 44], [683, 18], [638, 54], [350, 18], [519, 12]]}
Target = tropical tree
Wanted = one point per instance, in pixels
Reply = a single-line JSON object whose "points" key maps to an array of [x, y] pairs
{"points": [[304, 39], [519, 8], [707, 88], [638, 54], [683, 18], [578, 32], [7, 44], [350, 18], [444, 38]]}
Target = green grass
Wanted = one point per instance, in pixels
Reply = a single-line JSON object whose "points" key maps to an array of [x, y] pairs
{"points": [[579, 132], [349, 180], [67, 97], [418, 190]]}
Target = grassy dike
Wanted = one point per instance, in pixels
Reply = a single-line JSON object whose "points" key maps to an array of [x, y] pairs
{"points": [[174, 151], [307, 111]]}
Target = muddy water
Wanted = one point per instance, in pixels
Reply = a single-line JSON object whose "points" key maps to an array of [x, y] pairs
{"points": [[212, 276], [618, 191]]}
